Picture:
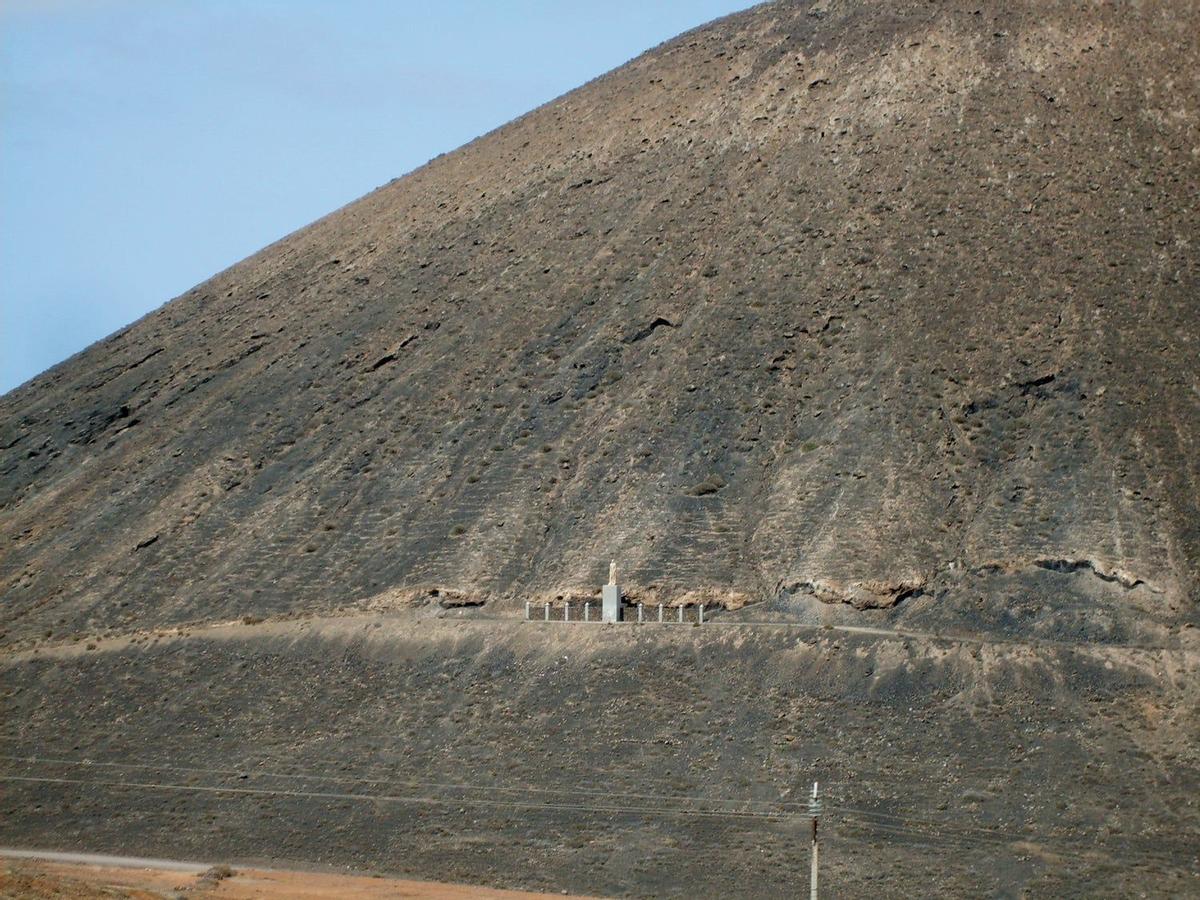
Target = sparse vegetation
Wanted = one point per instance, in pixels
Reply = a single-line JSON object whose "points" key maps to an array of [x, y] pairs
{"points": [[709, 485]]}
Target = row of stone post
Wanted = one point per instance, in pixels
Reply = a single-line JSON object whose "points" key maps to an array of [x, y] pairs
{"points": [[587, 610]]}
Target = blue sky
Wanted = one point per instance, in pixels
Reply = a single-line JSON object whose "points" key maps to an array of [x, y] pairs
{"points": [[147, 144]]}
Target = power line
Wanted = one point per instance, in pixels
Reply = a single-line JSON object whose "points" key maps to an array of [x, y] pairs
{"points": [[905, 825], [667, 798], [955, 836], [395, 798], [390, 776], [249, 769], [963, 839], [868, 815], [36, 760]]}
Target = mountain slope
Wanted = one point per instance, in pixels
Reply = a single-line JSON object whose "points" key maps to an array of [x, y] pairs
{"points": [[866, 304], [874, 324]]}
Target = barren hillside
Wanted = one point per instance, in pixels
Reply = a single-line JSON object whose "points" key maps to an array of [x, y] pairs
{"points": [[829, 312], [916, 284]]}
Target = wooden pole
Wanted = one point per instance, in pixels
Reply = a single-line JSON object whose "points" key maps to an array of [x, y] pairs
{"points": [[814, 807]]}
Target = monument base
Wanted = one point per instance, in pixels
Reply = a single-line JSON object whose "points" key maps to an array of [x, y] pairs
{"points": [[611, 608]]}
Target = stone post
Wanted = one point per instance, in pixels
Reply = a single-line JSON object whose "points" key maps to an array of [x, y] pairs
{"points": [[611, 609]]}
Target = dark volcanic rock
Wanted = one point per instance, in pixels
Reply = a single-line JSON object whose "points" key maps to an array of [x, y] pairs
{"points": [[883, 314], [924, 293], [607, 759]]}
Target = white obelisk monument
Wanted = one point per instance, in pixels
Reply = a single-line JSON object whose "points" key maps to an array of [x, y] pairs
{"points": [[611, 608]]}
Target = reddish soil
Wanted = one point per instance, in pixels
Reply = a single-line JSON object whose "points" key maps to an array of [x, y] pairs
{"points": [[67, 881]]}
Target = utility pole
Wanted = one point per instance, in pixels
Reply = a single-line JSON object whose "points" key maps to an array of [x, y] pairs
{"points": [[814, 810]]}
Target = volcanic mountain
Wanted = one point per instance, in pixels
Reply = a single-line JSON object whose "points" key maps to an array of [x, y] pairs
{"points": [[842, 297], [829, 312]]}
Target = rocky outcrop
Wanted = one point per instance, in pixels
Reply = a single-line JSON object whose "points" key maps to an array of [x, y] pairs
{"points": [[863, 594]]}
